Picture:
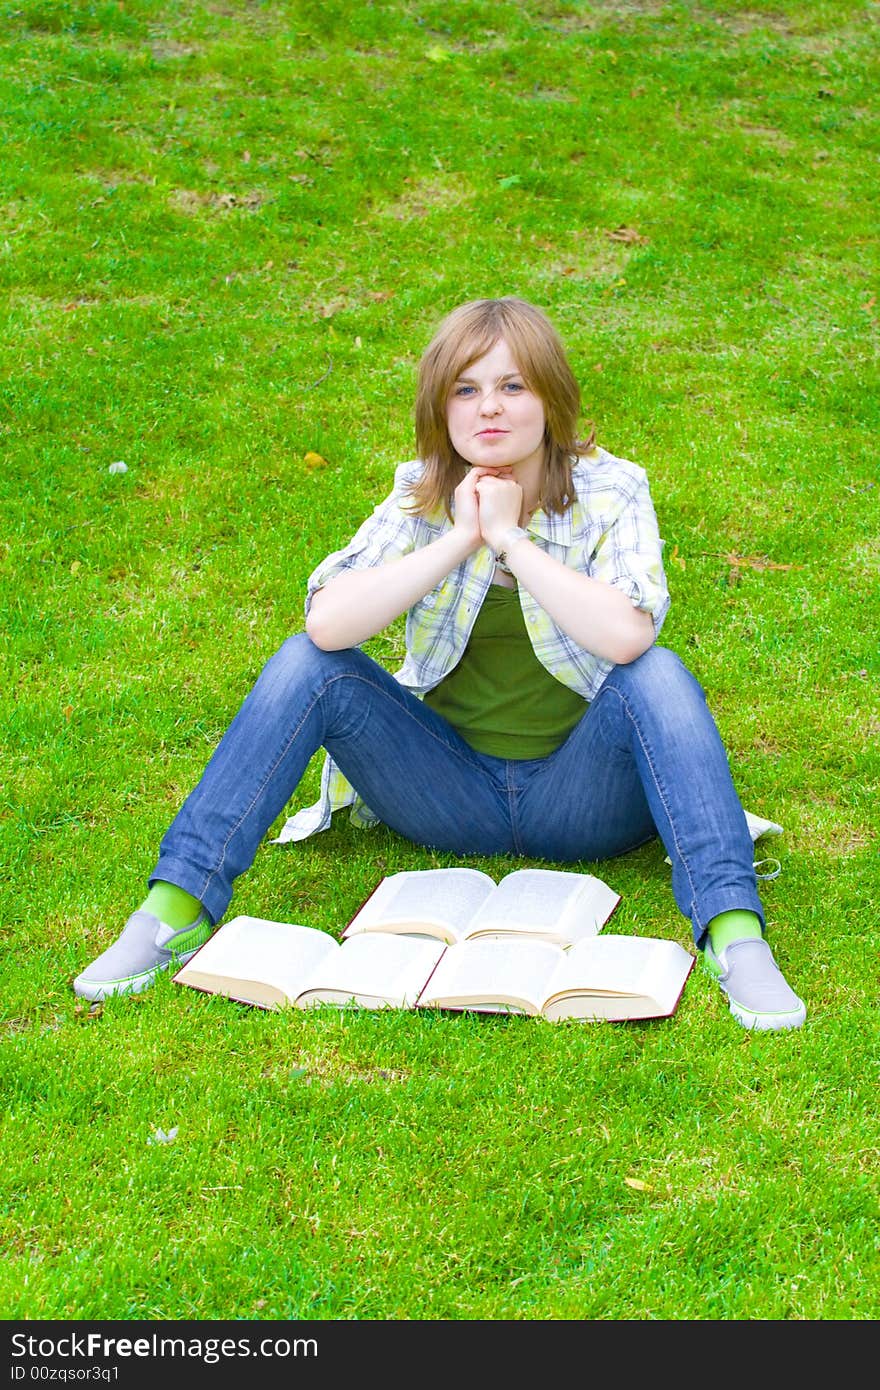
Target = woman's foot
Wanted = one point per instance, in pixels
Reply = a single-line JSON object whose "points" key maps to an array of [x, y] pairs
{"points": [[145, 948], [757, 992]]}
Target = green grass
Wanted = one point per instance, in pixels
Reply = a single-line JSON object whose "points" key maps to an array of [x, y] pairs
{"points": [[227, 232]]}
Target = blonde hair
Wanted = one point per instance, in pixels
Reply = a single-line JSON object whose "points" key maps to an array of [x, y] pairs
{"points": [[467, 333]]}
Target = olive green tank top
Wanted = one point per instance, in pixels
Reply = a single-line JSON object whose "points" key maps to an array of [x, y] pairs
{"points": [[499, 697]]}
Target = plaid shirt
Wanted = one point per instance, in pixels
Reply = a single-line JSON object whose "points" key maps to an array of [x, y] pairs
{"points": [[609, 533]]}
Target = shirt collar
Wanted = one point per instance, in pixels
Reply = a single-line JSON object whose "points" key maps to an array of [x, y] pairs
{"points": [[555, 527]]}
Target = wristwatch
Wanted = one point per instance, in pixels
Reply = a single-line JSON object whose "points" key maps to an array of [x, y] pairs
{"points": [[510, 537]]}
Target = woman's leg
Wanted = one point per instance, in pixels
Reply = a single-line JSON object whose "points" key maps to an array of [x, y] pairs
{"points": [[647, 759], [406, 762]]}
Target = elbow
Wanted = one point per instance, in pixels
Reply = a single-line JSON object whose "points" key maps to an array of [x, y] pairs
{"points": [[328, 631], [633, 643], [318, 632], [630, 652]]}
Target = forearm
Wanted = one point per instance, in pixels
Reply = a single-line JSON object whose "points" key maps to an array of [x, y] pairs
{"points": [[600, 618], [357, 604]]}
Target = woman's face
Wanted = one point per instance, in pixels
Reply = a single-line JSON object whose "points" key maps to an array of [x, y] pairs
{"points": [[494, 420]]}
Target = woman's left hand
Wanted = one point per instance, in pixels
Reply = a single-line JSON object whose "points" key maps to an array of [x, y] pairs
{"points": [[500, 504]]}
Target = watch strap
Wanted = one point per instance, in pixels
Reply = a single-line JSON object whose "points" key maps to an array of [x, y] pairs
{"points": [[510, 537]]}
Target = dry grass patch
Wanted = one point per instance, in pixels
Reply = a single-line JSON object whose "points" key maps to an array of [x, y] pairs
{"points": [[424, 196], [330, 1069], [190, 201], [621, 13], [165, 49], [769, 135]]}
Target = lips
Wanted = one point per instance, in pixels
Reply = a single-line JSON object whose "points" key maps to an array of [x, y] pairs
{"points": [[490, 434]]}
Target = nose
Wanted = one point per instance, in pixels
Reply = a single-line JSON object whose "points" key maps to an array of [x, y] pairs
{"points": [[491, 403]]}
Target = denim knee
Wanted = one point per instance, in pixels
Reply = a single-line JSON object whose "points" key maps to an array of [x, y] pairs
{"points": [[299, 666], [296, 654], [657, 676]]}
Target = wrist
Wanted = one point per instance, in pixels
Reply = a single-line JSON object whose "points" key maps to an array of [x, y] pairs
{"points": [[504, 541], [460, 542]]}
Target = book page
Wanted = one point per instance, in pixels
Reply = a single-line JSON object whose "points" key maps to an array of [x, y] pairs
{"points": [[493, 975], [375, 970], [430, 902], [556, 904], [618, 977], [257, 960]]}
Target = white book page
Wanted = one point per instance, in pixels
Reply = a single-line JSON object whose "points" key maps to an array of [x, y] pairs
{"points": [[493, 974], [374, 969], [558, 904], [282, 954], [646, 969], [442, 899]]}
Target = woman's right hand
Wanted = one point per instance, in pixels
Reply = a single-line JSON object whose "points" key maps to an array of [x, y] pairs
{"points": [[357, 603], [466, 511]]}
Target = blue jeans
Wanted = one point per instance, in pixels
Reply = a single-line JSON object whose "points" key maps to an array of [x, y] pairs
{"points": [[646, 758]]}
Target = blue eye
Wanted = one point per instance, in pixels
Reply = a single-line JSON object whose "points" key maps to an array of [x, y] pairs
{"points": [[514, 386], [463, 390]]}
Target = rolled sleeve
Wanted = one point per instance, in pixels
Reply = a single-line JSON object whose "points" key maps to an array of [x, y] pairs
{"points": [[629, 555]]}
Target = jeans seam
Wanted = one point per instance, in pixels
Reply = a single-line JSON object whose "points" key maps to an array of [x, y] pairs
{"points": [[660, 792], [510, 785], [345, 675]]}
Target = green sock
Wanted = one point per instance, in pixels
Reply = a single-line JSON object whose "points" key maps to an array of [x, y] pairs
{"points": [[172, 905], [733, 926]]}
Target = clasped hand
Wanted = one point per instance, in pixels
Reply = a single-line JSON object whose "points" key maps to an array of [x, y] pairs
{"points": [[488, 501]]}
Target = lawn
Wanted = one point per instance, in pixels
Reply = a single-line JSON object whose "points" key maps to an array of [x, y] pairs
{"points": [[227, 231]]}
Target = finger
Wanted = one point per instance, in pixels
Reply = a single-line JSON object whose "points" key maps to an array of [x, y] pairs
{"points": [[488, 483], [468, 483], [478, 472]]}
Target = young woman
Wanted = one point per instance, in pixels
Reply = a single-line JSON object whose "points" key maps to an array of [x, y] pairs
{"points": [[534, 713]]}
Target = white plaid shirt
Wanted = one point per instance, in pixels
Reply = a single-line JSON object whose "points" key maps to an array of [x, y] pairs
{"points": [[609, 533]]}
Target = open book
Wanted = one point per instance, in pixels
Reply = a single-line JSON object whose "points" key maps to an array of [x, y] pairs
{"points": [[600, 977], [284, 964], [458, 904], [280, 964]]}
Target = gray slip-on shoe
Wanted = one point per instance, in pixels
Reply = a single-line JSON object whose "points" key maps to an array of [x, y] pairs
{"points": [[145, 947], [757, 992]]}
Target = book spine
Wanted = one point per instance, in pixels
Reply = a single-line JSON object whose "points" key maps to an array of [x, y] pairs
{"points": [[372, 893], [415, 1002]]}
